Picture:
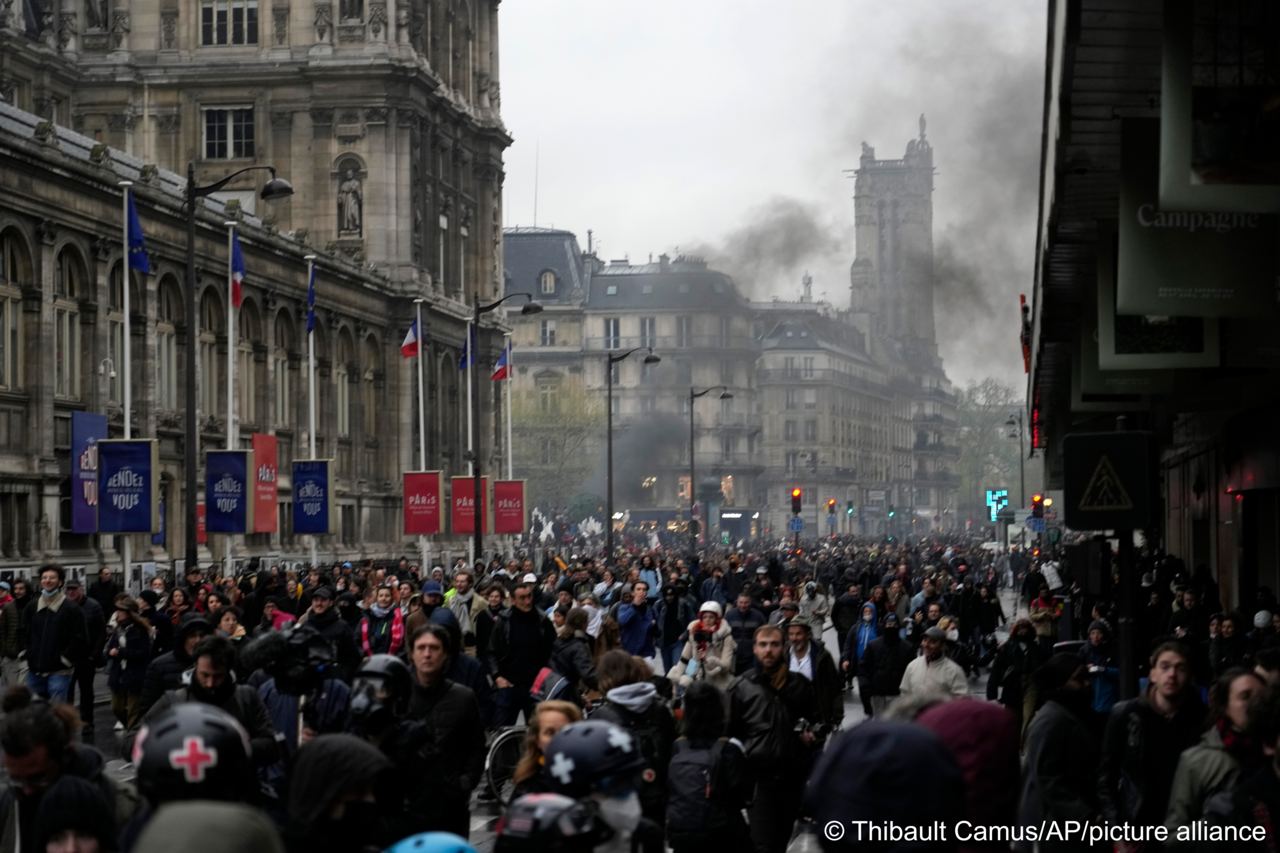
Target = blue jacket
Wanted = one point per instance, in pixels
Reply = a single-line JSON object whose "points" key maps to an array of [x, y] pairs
{"points": [[653, 577], [861, 635], [638, 629], [327, 711]]}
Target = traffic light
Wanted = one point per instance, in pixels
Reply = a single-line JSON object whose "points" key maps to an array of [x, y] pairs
{"points": [[1037, 505], [796, 495], [831, 506], [848, 510]]}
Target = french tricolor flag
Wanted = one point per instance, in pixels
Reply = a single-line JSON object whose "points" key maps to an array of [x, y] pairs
{"points": [[502, 370], [409, 347], [237, 272]]}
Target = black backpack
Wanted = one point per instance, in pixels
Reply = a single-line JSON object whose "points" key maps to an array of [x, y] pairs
{"points": [[693, 795]]}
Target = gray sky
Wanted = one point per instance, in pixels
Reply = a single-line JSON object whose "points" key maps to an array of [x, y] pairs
{"points": [[706, 125]]}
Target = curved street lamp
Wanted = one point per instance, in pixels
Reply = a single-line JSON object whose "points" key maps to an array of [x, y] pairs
{"points": [[274, 189], [610, 360], [530, 307], [726, 394]]}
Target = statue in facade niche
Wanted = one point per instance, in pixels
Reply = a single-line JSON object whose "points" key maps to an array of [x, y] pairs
{"points": [[350, 201], [97, 14], [868, 151]]}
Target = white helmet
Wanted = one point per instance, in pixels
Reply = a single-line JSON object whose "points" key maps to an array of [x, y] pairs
{"points": [[711, 607]]}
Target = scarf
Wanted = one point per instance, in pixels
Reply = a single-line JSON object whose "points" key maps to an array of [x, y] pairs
{"points": [[460, 604], [1243, 747], [397, 629]]}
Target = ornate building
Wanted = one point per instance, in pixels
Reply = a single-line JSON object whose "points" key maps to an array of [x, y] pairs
{"points": [[385, 120]]}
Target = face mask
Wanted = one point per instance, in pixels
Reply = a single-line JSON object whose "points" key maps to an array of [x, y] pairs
{"points": [[622, 814], [866, 617], [953, 635], [50, 593]]}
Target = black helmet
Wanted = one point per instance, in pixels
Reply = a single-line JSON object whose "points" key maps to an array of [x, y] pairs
{"points": [[308, 657], [550, 822], [193, 751], [380, 692], [584, 755]]}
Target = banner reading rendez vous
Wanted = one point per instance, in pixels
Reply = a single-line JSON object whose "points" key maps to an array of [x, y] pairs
{"points": [[312, 497], [87, 429], [422, 502], [128, 485], [229, 491], [508, 507]]}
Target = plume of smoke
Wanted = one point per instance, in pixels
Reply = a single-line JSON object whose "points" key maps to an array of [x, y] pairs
{"points": [[640, 450], [780, 239]]}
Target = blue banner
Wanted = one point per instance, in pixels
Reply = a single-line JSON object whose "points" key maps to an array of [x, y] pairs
{"points": [[128, 486], [228, 492], [86, 430], [312, 497]]}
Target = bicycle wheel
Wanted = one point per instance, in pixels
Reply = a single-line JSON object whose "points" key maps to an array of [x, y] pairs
{"points": [[500, 763]]}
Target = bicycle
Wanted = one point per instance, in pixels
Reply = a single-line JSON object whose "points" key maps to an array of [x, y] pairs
{"points": [[500, 762]]}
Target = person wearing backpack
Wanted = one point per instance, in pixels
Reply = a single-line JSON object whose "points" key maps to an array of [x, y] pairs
{"points": [[632, 702], [707, 780], [571, 655]]}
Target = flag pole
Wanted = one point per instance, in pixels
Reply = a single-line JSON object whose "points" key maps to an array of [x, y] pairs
{"points": [[422, 427], [511, 372], [126, 557], [311, 390], [231, 369], [471, 452]]}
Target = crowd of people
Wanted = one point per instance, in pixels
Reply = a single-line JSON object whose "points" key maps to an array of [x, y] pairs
{"points": [[665, 702]]}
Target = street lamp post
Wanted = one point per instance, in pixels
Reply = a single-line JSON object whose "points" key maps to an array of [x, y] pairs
{"points": [[275, 188], [1015, 420], [530, 307], [610, 360], [693, 480]]}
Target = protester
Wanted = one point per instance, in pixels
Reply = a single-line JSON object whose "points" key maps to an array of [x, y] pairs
{"points": [[708, 784], [530, 776], [57, 639], [933, 671]]}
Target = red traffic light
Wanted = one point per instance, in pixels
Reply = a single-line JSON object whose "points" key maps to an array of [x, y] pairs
{"points": [[796, 500], [1037, 498], [795, 493]]}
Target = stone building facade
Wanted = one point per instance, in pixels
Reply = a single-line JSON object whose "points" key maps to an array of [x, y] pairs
{"points": [[385, 118]]}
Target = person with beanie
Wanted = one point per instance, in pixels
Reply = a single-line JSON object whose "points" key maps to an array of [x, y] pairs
{"points": [[75, 817], [166, 672], [334, 804], [886, 772], [1060, 780], [883, 664], [856, 641], [128, 653], [382, 631], [983, 739], [1226, 753], [1099, 659]]}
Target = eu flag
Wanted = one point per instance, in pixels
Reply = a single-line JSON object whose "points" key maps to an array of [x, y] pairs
{"points": [[138, 259]]}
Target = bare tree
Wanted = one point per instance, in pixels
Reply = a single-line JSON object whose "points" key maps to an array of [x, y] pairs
{"points": [[556, 437], [988, 456]]}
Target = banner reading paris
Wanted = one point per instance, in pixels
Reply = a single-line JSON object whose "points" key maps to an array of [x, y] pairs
{"points": [[462, 505], [422, 502], [509, 517], [228, 491], [265, 483], [128, 486], [312, 498]]}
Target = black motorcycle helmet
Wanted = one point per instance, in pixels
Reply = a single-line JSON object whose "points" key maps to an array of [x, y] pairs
{"points": [[193, 751], [592, 755], [380, 692], [550, 822], [308, 657]]}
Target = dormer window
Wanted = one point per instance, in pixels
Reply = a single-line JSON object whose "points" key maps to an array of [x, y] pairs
{"points": [[547, 283]]}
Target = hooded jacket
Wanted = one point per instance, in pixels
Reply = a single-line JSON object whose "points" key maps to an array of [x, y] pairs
{"points": [[639, 628], [571, 657], [204, 826], [326, 769], [636, 708], [335, 629], [718, 665], [1203, 770], [859, 637], [1062, 761]]}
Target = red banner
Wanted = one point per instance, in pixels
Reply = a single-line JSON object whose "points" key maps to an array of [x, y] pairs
{"points": [[202, 533], [422, 491], [508, 507], [462, 516], [265, 483]]}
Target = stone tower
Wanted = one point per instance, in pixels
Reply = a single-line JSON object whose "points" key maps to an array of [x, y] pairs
{"points": [[892, 274]]}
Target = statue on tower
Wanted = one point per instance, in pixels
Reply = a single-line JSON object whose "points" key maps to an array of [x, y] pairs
{"points": [[922, 123], [868, 153]]}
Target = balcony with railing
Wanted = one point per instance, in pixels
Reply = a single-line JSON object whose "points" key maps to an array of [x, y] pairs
{"points": [[669, 343], [820, 376]]}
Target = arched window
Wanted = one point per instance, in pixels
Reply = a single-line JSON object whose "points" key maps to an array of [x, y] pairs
{"points": [[342, 382], [547, 283], [282, 414], [371, 362], [15, 273], [69, 282], [246, 373], [210, 367], [167, 319]]}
